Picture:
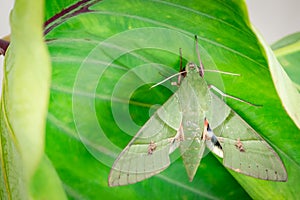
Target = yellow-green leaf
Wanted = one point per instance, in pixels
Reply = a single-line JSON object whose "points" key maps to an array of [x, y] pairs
{"points": [[288, 93], [287, 51], [24, 102]]}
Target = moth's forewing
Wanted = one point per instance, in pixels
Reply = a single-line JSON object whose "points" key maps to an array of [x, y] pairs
{"points": [[258, 159], [135, 163]]}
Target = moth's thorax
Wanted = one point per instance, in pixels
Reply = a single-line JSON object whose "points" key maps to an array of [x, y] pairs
{"points": [[194, 96]]}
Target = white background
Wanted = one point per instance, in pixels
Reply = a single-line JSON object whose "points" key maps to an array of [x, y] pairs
{"points": [[274, 19]]}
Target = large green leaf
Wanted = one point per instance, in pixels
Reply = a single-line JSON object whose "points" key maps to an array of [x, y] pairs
{"points": [[105, 56]]}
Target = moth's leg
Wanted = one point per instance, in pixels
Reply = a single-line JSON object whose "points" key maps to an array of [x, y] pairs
{"points": [[175, 141], [151, 148], [182, 72], [179, 135], [180, 64], [229, 96], [221, 72], [201, 71], [180, 67], [240, 145]]}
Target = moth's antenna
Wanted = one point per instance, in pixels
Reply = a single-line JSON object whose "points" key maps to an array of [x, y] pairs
{"points": [[199, 59], [167, 79]]}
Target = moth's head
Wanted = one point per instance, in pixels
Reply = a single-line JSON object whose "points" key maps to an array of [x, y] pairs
{"points": [[193, 67]]}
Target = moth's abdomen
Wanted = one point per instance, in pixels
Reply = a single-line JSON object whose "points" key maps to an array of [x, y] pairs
{"points": [[192, 147], [192, 151]]}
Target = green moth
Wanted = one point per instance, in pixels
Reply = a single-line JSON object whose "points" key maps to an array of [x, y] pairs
{"points": [[189, 121]]}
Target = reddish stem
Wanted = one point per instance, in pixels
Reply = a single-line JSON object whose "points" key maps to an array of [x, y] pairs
{"points": [[3, 46]]}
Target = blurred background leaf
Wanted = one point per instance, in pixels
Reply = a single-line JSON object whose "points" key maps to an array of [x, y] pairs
{"points": [[286, 89], [24, 100], [287, 50]]}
